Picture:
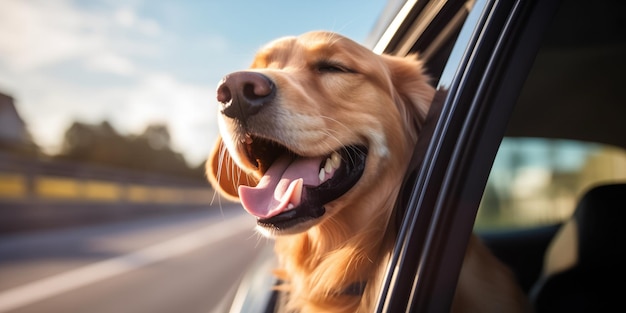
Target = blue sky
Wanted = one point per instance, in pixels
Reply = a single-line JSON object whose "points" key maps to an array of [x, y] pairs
{"points": [[138, 62]]}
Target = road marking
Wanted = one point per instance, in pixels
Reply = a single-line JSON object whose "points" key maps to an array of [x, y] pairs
{"points": [[60, 283]]}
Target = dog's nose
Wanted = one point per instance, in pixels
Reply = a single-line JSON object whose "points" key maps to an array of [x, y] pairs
{"points": [[243, 94]]}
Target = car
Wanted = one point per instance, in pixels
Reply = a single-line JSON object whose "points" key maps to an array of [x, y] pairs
{"points": [[524, 145]]}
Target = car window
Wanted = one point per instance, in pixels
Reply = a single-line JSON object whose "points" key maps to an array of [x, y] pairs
{"points": [[538, 181], [552, 84], [573, 92]]}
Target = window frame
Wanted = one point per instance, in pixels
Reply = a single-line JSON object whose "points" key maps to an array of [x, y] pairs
{"points": [[458, 145]]}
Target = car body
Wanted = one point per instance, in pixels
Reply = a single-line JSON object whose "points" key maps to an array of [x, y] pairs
{"points": [[505, 72]]}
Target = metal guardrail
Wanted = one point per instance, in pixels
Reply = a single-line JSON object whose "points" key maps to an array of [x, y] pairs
{"points": [[38, 194], [16, 187]]}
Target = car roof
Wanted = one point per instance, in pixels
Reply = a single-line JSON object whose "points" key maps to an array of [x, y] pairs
{"points": [[578, 77], [586, 40]]}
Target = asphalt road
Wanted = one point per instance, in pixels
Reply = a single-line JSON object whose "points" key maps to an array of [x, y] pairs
{"points": [[176, 263]]}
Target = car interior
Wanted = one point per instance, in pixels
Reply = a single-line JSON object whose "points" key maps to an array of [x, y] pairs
{"points": [[583, 264], [573, 92]]}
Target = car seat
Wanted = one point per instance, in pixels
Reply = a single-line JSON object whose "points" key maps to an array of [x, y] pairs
{"points": [[585, 264]]}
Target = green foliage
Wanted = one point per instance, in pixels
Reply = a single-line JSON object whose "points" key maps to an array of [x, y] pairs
{"points": [[102, 144]]}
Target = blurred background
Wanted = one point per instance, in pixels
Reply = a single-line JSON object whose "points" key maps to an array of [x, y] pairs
{"points": [[107, 113]]}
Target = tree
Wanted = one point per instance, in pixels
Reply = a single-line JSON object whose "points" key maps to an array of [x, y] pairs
{"points": [[102, 144]]}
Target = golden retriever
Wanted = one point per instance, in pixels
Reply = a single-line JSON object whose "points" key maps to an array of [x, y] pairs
{"points": [[315, 139]]}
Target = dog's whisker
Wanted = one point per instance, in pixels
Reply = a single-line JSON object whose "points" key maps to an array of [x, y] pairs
{"points": [[221, 153], [235, 172], [332, 137], [259, 238], [332, 38], [343, 125], [344, 147], [248, 181], [329, 131], [351, 160], [346, 128]]}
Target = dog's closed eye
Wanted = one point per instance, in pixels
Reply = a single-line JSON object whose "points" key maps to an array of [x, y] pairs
{"points": [[327, 66]]}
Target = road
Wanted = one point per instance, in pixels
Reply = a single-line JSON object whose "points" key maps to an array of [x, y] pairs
{"points": [[177, 263]]}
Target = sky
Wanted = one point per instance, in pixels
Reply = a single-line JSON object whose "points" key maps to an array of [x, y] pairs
{"points": [[140, 62]]}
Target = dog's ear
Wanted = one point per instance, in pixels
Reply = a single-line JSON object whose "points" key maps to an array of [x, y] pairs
{"points": [[414, 93], [224, 174]]}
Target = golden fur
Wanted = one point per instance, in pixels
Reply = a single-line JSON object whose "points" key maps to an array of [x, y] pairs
{"points": [[377, 101]]}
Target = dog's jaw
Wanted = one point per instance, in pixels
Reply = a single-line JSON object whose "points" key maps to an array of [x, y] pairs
{"points": [[292, 194]]}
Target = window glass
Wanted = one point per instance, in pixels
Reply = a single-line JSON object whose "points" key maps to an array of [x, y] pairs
{"points": [[536, 181]]}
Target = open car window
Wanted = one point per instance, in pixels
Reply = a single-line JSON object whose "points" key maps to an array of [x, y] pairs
{"points": [[543, 74], [538, 181]]}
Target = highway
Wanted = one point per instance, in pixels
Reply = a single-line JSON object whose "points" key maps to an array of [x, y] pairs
{"points": [[188, 262]]}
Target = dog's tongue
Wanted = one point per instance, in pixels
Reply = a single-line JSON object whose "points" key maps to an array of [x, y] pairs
{"points": [[280, 186]]}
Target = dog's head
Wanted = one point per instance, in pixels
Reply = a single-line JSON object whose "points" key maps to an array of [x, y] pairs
{"points": [[318, 125]]}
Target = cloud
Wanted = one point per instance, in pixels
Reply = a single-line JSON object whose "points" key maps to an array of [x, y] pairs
{"points": [[127, 18], [55, 58], [38, 33], [34, 34], [111, 63]]}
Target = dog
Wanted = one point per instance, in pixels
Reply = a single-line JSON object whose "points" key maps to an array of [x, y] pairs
{"points": [[315, 138]]}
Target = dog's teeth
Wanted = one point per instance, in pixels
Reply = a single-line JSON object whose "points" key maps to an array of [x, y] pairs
{"points": [[331, 163], [290, 206], [335, 159], [328, 167]]}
